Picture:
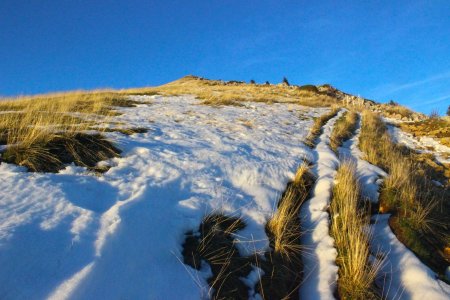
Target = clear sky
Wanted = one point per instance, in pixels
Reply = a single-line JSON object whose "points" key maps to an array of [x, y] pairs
{"points": [[381, 50]]}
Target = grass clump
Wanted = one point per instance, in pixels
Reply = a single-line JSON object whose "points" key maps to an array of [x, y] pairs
{"points": [[343, 129], [350, 218], [51, 155], [44, 132], [214, 243], [319, 122], [282, 265], [420, 209]]}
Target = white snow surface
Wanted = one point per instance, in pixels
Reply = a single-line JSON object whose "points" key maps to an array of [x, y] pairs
{"points": [[422, 144], [403, 275], [319, 257], [74, 235]]}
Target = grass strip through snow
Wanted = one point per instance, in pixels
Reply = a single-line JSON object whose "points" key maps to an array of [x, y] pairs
{"points": [[343, 129], [350, 218], [283, 265], [317, 127], [420, 209]]}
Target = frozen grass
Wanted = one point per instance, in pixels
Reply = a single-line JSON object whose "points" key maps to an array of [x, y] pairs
{"points": [[350, 219], [284, 226], [316, 129], [343, 129], [420, 209], [44, 132]]}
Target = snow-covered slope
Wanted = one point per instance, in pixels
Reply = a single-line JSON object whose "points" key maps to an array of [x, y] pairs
{"points": [[119, 235], [421, 144]]}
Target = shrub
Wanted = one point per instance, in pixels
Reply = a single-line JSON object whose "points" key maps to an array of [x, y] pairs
{"points": [[285, 81], [309, 87], [434, 114], [393, 103]]}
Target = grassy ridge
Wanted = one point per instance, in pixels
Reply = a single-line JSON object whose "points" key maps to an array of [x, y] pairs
{"points": [[216, 92]]}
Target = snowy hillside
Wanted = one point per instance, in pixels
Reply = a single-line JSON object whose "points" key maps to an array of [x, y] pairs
{"points": [[77, 234]]}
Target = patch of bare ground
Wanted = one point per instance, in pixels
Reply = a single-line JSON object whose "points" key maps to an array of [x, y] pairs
{"points": [[214, 243]]}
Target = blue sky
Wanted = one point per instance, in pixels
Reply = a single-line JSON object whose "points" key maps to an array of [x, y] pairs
{"points": [[381, 50]]}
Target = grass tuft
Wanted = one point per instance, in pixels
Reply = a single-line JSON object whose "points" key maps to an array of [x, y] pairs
{"points": [[214, 243], [45, 132], [282, 265], [350, 218]]}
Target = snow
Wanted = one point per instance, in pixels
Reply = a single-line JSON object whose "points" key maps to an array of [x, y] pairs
{"points": [[76, 235], [403, 275], [406, 276], [421, 144], [80, 236], [319, 257]]}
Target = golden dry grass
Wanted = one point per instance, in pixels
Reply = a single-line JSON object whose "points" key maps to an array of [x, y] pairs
{"points": [[29, 125], [420, 209], [284, 226], [216, 92], [316, 129], [438, 128], [397, 111], [283, 265], [350, 217], [343, 129]]}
